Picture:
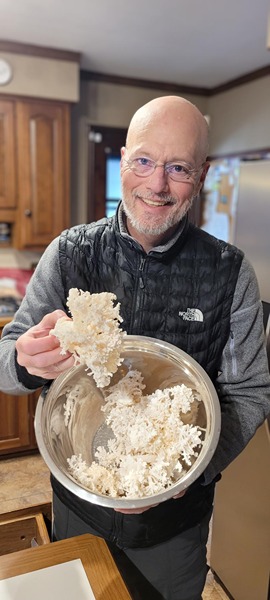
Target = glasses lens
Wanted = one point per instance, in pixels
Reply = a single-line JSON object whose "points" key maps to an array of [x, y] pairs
{"points": [[177, 172], [142, 166]]}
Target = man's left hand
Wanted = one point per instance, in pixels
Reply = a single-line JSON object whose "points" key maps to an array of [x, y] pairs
{"points": [[138, 511]]}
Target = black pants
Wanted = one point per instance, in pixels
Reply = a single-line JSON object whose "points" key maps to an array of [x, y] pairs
{"points": [[172, 570]]}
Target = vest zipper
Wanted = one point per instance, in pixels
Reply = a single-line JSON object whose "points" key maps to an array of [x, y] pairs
{"points": [[141, 267], [136, 317]]}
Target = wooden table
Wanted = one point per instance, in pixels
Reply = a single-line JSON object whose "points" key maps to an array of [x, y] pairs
{"points": [[100, 568]]}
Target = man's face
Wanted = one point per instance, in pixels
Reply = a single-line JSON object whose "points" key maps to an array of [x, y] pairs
{"points": [[156, 203]]}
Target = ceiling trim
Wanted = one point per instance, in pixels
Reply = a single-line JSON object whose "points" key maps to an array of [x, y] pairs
{"points": [[174, 87], [250, 155], [144, 83], [263, 72], [41, 51]]}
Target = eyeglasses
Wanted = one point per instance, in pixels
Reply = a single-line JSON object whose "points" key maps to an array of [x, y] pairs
{"points": [[143, 167]]}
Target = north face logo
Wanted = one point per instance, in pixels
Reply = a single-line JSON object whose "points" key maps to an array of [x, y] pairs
{"points": [[191, 314]]}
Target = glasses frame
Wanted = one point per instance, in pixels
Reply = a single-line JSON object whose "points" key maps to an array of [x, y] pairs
{"points": [[186, 177]]}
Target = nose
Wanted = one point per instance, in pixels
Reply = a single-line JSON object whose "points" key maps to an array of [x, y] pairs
{"points": [[158, 181]]}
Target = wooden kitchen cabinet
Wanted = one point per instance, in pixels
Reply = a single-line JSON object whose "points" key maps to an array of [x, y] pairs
{"points": [[43, 172], [8, 175], [34, 170], [8, 172], [17, 422]]}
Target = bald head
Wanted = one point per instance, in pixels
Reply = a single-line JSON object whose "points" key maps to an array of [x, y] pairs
{"points": [[176, 119]]}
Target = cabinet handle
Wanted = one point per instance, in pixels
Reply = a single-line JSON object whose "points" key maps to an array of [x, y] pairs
{"points": [[28, 212]]}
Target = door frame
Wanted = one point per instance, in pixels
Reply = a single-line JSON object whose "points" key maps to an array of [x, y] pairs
{"points": [[102, 140]]}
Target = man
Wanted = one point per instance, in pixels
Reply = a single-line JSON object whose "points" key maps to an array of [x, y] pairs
{"points": [[164, 272]]}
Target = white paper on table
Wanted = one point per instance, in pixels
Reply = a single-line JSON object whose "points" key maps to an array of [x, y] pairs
{"points": [[67, 580]]}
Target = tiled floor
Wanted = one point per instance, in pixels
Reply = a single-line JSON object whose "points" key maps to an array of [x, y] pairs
{"points": [[25, 482]]}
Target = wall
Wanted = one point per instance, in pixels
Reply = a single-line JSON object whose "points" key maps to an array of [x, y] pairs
{"points": [[113, 105], [240, 118], [42, 77]]}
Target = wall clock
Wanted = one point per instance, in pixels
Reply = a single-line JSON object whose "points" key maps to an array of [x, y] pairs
{"points": [[5, 72]]}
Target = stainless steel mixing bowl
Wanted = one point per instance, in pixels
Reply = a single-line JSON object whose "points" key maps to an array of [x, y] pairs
{"points": [[162, 365]]}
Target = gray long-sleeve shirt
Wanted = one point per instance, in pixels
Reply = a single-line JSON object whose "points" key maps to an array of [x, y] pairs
{"points": [[243, 382]]}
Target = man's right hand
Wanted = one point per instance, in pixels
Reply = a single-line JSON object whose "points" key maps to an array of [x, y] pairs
{"points": [[40, 353]]}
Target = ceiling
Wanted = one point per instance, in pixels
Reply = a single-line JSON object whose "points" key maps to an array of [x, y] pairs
{"points": [[198, 43]]}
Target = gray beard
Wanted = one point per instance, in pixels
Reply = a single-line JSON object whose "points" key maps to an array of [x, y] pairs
{"points": [[157, 229]]}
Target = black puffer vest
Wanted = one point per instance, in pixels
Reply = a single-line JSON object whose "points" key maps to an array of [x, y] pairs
{"points": [[182, 296]]}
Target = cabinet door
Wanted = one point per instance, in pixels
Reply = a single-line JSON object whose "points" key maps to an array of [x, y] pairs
{"points": [[17, 415], [43, 172], [17, 423], [14, 422], [7, 155]]}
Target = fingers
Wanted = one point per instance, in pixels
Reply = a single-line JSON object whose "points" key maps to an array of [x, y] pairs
{"points": [[179, 495], [34, 343], [134, 511], [43, 357], [52, 371], [46, 324], [139, 511], [49, 320], [39, 352]]}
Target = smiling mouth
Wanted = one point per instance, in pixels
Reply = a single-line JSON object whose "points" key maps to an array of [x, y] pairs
{"points": [[155, 203]]}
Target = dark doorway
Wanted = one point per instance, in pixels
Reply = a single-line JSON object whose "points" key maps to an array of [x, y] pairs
{"points": [[104, 190]]}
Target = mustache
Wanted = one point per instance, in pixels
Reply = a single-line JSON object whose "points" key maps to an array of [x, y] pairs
{"points": [[159, 196]]}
